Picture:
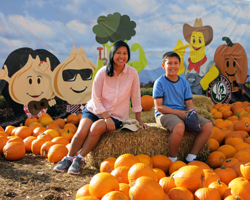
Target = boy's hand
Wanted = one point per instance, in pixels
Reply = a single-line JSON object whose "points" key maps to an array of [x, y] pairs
{"points": [[182, 114]]}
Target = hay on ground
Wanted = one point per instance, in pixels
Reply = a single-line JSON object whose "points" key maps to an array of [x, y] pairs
{"points": [[153, 141]]}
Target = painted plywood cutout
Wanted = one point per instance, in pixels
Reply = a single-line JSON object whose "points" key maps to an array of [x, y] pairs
{"points": [[198, 70], [26, 89]]}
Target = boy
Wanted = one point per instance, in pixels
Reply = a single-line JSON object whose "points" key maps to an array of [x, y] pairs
{"points": [[173, 99]]}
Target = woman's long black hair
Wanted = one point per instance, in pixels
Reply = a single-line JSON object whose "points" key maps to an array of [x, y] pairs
{"points": [[116, 45]]}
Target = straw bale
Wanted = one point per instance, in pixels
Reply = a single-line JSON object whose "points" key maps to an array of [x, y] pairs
{"points": [[201, 101], [204, 113], [152, 141]]}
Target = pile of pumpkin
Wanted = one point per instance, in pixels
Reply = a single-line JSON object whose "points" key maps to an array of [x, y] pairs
{"points": [[43, 136]]}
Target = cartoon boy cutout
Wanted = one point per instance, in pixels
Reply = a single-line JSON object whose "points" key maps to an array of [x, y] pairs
{"points": [[72, 80], [30, 87]]}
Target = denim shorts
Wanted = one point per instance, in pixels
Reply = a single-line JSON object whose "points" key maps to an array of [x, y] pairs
{"points": [[87, 114]]}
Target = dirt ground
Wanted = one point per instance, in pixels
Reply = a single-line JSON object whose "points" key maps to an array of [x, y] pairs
{"points": [[32, 177]]}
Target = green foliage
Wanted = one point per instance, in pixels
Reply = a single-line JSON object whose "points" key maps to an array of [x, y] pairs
{"points": [[146, 91], [3, 103], [114, 27]]}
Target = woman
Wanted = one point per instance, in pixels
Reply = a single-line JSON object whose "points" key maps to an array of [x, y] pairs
{"points": [[113, 87]]}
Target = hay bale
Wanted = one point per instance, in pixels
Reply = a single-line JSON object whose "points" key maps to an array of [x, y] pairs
{"points": [[146, 116], [152, 141], [204, 113], [201, 101]]}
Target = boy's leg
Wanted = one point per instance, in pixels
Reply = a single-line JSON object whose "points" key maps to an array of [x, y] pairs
{"points": [[177, 128], [202, 138]]}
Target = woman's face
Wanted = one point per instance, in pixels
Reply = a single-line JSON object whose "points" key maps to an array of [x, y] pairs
{"points": [[120, 57]]}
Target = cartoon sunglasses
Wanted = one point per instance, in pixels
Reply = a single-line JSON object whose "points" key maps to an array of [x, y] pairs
{"points": [[70, 74]]}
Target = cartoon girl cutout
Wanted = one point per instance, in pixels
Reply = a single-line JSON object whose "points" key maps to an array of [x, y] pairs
{"points": [[72, 80], [28, 86]]}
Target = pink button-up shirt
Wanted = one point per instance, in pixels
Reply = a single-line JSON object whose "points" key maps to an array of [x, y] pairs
{"points": [[112, 94]]}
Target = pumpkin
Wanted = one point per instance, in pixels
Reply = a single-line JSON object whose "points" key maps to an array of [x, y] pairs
{"points": [[140, 169], [45, 148], [245, 170], [126, 160], [47, 137], [153, 190], [143, 158], [8, 129], [2, 133], [180, 193], [52, 132], [71, 127], [216, 159], [209, 177], [242, 156], [23, 132], [200, 164], [102, 183], [53, 125], [230, 162], [226, 174], [228, 150], [36, 145], [1, 146], [45, 119], [72, 118], [107, 165], [60, 122], [14, 151], [124, 188], [174, 166], [190, 177], [114, 195], [28, 141], [159, 173], [236, 168], [60, 140], [147, 102], [38, 130], [87, 198], [232, 197], [240, 186], [213, 144], [121, 174], [231, 61], [219, 186], [57, 152], [83, 191], [207, 193], [167, 183], [30, 120], [4, 139], [66, 134], [162, 162]]}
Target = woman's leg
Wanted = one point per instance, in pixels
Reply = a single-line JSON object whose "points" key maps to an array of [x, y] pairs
{"points": [[95, 131], [80, 136]]}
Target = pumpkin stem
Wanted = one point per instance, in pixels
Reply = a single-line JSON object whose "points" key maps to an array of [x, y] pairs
{"points": [[228, 41], [218, 181]]}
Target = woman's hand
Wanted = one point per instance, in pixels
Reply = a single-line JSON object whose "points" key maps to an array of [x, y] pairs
{"points": [[110, 124], [143, 126]]}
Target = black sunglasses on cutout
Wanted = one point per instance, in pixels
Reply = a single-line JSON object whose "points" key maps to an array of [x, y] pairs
{"points": [[70, 74]]}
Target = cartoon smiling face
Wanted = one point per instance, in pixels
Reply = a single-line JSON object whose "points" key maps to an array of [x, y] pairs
{"points": [[28, 85], [72, 79], [197, 46]]}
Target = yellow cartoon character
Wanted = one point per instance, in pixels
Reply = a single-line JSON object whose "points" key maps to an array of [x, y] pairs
{"points": [[199, 71], [30, 88], [72, 79]]}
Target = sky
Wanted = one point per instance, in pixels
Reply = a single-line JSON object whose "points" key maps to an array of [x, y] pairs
{"points": [[57, 25]]}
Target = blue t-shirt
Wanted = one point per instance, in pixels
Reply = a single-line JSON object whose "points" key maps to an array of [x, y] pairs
{"points": [[174, 94]]}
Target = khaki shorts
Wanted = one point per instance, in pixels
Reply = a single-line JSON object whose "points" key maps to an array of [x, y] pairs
{"points": [[169, 121]]}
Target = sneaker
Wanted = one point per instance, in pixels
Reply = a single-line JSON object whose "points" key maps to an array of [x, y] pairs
{"points": [[185, 160], [76, 166], [63, 165]]}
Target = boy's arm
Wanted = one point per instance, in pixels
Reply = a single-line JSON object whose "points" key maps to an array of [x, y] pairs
{"points": [[167, 110], [189, 105]]}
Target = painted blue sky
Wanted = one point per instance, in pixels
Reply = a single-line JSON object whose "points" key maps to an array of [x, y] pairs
{"points": [[57, 25]]}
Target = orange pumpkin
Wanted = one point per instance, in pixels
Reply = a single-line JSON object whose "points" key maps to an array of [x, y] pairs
{"points": [[147, 102], [174, 166], [72, 118], [226, 174], [143, 158], [240, 186], [28, 141], [36, 145], [124, 188], [159, 173], [216, 159], [167, 183], [140, 169], [153, 190], [102, 183], [14, 150], [162, 162], [190, 177], [230, 162], [8, 129], [219, 186], [45, 148], [121, 174], [245, 170], [83, 191], [60, 122], [57, 152], [126, 160], [228, 150], [30, 120], [207, 193], [60, 140], [180, 193], [107, 165], [209, 177], [23, 132], [113, 195], [231, 60]]}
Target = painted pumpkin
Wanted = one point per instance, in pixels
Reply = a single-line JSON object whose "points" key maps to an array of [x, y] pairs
{"points": [[231, 61]]}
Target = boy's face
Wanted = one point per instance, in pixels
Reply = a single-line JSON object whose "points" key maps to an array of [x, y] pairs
{"points": [[171, 66]]}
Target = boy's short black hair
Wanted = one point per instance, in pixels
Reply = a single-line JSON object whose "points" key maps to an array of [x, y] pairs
{"points": [[170, 54]]}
